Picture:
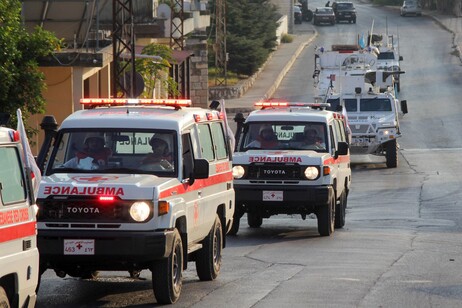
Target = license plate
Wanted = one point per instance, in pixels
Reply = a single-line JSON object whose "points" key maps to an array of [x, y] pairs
{"points": [[272, 195], [79, 247]]}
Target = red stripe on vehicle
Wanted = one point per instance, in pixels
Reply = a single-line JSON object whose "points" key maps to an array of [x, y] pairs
{"points": [[18, 231], [340, 159], [198, 184]]}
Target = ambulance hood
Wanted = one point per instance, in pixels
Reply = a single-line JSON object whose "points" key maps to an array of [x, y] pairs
{"points": [[302, 157], [125, 186]]}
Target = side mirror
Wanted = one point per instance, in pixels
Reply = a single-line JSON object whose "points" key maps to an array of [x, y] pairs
{"points": [[342, 149], [201, 168], [404, 106], [400, 58]]}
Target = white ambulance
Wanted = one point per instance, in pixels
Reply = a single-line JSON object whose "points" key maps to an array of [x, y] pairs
{"points": [[19, 257], [292, 158], [157, 194]]}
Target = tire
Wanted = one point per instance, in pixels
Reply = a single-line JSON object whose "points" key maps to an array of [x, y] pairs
{"points": [[4, 301], [392, 154], [254, 220], [340, 211], [326, 218], [134, 274], [89, 275], [167, 274], [208, 261]]}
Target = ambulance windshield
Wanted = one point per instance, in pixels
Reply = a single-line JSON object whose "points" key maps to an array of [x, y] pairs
{"points": [[284, 136], [115, 151]]}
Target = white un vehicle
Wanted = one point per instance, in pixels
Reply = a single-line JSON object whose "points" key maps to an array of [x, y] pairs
{"points": [[292, 158], [19, 257], [157, 194]]}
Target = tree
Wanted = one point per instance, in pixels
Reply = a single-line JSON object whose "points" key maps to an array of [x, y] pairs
{"points": [[21, 83], [251, 33], [155, 71]]}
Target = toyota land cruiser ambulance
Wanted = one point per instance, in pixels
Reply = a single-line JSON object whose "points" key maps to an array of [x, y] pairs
{"points": [[292, 158], [133, 208], [19, 257]]}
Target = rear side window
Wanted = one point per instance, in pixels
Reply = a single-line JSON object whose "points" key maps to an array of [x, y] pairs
{"points": [[12, 182], [219, 142], [205, 138]]}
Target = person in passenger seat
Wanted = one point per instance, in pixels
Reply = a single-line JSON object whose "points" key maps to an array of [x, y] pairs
{"points": [[160, 153], [311, 138]]}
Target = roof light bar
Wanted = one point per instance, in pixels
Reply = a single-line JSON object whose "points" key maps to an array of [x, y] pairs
{"points": [[275, 104], [95, 102]]}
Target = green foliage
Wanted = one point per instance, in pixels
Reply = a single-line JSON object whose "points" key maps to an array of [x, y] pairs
{"points": [[287, 38], [251, 33], [21, 83], [154, 71]]}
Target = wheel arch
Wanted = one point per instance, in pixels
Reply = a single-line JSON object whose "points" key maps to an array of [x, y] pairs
{"points": [[182, 226], [221, 212]]}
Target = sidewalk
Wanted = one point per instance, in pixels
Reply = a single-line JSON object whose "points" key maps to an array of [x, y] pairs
{"points": [[282, 59], [272, 74]]}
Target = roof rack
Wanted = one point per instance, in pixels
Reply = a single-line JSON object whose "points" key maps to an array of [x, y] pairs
{"points": [[107, 102]]}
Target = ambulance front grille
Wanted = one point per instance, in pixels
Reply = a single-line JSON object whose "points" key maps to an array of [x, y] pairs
{"points": [[83, 210], [274, 172]]}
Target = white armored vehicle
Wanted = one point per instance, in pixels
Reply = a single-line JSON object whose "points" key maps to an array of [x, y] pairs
{"points": [[368, 96]]}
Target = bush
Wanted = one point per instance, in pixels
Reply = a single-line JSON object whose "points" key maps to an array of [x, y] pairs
{"points": [[287, 38]]}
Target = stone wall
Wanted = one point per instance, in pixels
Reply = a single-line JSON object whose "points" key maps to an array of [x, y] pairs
{"points": [[199, 69]]}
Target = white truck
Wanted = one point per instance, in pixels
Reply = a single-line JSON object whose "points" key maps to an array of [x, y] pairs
{"points": [[132, 207], [19, 256], [292, 158]]}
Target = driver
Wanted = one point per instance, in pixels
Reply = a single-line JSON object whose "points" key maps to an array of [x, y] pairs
{"points": [[93, 155], [160, 153]]}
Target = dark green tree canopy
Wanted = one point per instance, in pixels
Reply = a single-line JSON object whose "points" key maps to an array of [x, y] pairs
{"points": [[251, 33], [21, 83]]}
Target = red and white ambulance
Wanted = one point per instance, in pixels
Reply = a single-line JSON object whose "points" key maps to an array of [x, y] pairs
{"points": [[157, 194], [19, 257], [292, 158]]}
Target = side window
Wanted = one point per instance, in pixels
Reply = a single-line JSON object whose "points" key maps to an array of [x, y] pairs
{"points": [[339, 131], [187, 156], [12, 183], [333, 139], [219, 141], [205, 138]]}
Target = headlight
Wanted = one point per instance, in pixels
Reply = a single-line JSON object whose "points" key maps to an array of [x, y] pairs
{"points": [[139, 211], [238, 172], [311, 173]]}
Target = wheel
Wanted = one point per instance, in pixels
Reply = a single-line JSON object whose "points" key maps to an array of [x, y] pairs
{"points": [[340, 210], [254, 220], [167, 274], [89, 275], [135, 274], [392, 154], [326, 218], [4, 302], [208, 261]]}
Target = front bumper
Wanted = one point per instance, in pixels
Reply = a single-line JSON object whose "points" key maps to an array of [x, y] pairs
{"points": [[299, 199], [114, 250]]}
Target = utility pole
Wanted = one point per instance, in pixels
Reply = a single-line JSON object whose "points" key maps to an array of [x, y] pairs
{"points": [[221, 56], [179, 71], [123, 44]]}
